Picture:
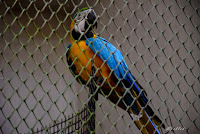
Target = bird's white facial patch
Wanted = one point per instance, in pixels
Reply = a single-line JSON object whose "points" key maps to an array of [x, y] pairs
{"points": [[80, 21], [80, 27], [82, 15]]}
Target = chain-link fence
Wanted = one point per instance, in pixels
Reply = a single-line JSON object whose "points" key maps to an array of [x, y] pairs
{"points": [[159, 40]]}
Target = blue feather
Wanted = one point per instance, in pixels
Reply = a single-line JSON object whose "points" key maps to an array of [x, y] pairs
{"points": [[114, 59]]}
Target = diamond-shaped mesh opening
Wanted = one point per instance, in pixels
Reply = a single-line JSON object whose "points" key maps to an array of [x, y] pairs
{"points": [[159, 41]]}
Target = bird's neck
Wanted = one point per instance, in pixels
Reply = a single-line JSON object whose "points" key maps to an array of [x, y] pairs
{"points": [[78, 36]]}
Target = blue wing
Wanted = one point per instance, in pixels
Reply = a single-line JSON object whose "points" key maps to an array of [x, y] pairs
{"points": [[114, 59]]}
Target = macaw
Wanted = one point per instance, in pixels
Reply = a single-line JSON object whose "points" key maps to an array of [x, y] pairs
{"points": [[112, 73]]}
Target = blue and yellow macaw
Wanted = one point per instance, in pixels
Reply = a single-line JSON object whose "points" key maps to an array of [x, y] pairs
{"points": [[116, 81]]}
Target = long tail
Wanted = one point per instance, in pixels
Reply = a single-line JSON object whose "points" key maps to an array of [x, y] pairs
{"points": [[145, 123]]}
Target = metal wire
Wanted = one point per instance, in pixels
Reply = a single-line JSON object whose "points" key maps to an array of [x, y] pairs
{"points": [[159, 41]]}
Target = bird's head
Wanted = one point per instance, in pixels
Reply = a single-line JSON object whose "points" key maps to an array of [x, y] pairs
{"points": [[83, 23]]}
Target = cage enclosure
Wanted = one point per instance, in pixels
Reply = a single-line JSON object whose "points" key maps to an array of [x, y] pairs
{"points": [[159, 40]]}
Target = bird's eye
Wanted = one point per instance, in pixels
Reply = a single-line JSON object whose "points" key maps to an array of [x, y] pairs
{"points": [[79, 17]]}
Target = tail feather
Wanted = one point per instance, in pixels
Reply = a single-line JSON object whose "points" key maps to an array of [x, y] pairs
{"points": [[146, 123], [154, 117], [150, 115]]}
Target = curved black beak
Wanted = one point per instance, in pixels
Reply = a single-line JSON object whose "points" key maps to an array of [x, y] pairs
{"points": [[91, 18]]}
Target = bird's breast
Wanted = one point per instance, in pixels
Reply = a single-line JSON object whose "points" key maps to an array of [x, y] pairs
{"points": [[80, 56]]}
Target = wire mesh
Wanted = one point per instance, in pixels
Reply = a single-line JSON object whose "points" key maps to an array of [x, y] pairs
{"points": [[159, 40]]}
